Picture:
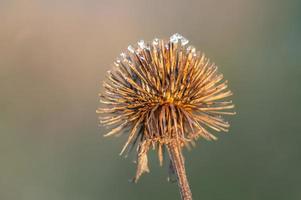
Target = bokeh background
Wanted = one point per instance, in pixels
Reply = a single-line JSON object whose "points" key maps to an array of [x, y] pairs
{"points": [[53, 58]]}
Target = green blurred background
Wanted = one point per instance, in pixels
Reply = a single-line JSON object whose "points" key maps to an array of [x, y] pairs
{"points": [[53, 58]]}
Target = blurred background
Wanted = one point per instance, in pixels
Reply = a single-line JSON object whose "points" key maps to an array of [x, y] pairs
{"points": [[53, 59]]}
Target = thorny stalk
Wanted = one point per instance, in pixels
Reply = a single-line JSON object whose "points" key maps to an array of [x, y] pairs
{"points": [[177, 160]]}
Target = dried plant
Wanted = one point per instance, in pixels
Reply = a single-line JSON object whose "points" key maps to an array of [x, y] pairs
{"points": [[165, 95]]}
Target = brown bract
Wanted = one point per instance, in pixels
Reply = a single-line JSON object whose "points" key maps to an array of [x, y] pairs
{"points": [[164, 92]]}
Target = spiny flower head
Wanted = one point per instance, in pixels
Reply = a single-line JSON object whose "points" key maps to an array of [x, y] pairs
{"points": [[163, 92]]}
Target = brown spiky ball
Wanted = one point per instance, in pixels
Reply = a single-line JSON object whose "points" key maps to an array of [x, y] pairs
{"points": [[164, 93]]}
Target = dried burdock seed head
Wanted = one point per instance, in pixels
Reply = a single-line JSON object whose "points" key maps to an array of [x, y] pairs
{"points": [[164, 94]]}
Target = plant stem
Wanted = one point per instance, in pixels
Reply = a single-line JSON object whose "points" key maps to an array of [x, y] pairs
{"points": [[175, 153]]}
